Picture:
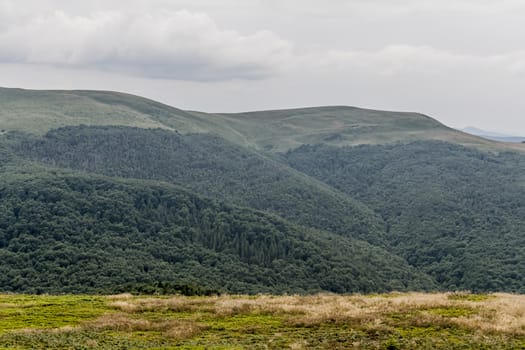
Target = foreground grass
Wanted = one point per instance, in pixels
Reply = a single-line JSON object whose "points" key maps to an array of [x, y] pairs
{"points": [[388, 321]]}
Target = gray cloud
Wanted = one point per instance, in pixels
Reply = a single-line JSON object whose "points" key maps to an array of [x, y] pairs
{"points": [[426, 60], [160, 44]]}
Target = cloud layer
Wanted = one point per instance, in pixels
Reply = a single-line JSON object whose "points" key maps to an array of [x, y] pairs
{"points": [[163, 44], [186, 45]]}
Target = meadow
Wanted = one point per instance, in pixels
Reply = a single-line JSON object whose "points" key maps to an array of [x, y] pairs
{"points": [[323, 321]]}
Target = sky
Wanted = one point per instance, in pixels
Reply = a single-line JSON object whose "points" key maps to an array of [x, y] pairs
{"points": [[459, 61]]}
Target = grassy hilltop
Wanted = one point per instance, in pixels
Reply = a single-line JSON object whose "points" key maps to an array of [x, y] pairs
{"points": [[278, 130]]}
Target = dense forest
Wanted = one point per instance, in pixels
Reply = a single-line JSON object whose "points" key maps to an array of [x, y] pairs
{"points": [[149, 198], [69, 233], [208, 165], [456, 213]]}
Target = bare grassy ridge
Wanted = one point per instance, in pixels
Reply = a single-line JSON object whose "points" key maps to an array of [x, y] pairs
{"points": [[386, 321], [278, 130]]}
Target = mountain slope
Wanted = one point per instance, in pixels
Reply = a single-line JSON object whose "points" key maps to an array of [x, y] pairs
{"points": [[207, 165], [456, 213], [448, 204], [280, 130], [64, 232], [339, 126], [39, 111]]}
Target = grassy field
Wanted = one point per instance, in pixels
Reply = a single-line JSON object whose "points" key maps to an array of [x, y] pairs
{"points": [[388, 321]]}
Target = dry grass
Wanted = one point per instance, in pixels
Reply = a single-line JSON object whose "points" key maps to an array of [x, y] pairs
{"points": [[498, 313], [121, 322], [174, 304], [122, 296], [410, 320], [309, 310], [505, 313]]}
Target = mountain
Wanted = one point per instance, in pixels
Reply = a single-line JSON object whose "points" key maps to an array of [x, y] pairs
{"points": [[479, 132], [207, 165], [282, 130], [105, 191], [455, 213], [63, 232], [493, 135], [37, 112]]}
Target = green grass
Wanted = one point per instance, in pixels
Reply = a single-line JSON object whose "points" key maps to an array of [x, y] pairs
{"points": [[281, 130], [38, 112], [392, 321], [469, 296], [278, 131], [48, 312]]}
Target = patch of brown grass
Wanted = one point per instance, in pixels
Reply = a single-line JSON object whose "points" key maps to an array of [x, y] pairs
{"points": [[120, 322], [64, 329], [174, 304], [179, 329], [498, 313], [316, 309], [184, 329], [122, 296], [503, 314]]}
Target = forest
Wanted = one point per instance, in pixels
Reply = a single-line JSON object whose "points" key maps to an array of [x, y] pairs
{"points": [[165, 204], [64, 233]]}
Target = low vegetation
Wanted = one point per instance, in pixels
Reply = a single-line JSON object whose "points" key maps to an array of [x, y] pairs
{"points": [[323, 321]]}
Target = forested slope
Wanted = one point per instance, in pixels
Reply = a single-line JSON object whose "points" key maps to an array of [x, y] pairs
{"points": [[207, 165], [104, 190], [61, 232], [456, 213]]}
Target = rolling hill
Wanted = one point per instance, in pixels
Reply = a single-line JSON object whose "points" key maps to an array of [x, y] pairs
{"points": [[207, 165], [454, 212], [40, 111], [335, 198], [495, 136], [63, 232]]}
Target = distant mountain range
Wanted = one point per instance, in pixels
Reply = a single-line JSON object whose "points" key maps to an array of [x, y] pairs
{"points": [[493, 135], [108, 192]]}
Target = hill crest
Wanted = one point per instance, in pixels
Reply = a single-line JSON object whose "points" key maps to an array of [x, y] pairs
{"points": [[38, 111]]}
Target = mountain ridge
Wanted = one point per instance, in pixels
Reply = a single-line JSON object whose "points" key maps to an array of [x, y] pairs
{"points": [[494, 136], [358, 192], [271, 130]]}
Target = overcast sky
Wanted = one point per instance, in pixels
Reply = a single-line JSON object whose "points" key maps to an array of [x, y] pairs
{"points": [[459, 61]]}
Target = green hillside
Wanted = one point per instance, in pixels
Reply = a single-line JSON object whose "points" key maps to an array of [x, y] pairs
{"points": [[63, 232], [104, 190], [207, 165], [37, 112], [339, 126], [456, 213], [40, 111], [280, 130]]}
